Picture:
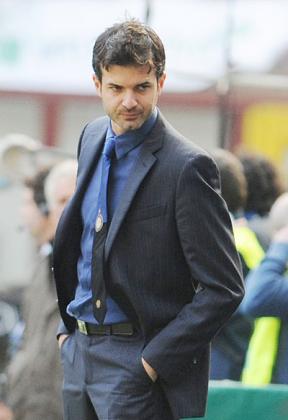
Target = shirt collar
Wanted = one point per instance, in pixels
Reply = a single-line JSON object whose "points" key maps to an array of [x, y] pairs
{"points": [[131, 139]]}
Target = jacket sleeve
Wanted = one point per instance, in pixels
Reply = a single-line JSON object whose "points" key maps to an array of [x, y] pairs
{"points": [[80, 142], [267, 285], [205, 233]]}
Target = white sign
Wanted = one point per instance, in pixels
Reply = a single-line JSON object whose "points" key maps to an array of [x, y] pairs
{"points": [[47, 45]]}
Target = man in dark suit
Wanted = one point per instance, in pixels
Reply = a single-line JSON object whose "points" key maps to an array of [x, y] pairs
{"points": [[145, 264]]}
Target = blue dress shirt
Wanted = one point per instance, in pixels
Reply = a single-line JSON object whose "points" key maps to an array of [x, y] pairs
{"points": [[127, 149]]}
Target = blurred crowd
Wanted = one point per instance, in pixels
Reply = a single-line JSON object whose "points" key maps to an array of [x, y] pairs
{"points": [[32, 373], [251, 348]]}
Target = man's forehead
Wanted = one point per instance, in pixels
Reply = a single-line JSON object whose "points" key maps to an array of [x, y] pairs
{"points": [[116, 72]]}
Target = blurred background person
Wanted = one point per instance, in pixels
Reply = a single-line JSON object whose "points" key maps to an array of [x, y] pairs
{"points": [[230, 345], [34, 210], [5, 412], [35, 374], [267, 296], [264, 186]]}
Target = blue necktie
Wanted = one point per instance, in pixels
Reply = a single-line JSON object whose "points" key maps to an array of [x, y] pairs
{"points": [[102, 206], [100, 233]]}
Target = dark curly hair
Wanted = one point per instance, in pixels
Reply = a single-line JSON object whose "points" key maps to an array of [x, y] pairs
{"points": [[128, 43], [232, 179], [36, 185], [263, 181]]}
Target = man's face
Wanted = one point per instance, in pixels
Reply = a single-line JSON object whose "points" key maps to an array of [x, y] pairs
{"points": [[63, 191], [129, 95]]}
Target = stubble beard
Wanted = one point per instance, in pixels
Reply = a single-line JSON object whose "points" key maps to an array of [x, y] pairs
{"points": [[125, 125]]}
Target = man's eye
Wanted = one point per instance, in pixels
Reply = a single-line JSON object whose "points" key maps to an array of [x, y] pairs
{"points": [[142, 88], [115, 88]]}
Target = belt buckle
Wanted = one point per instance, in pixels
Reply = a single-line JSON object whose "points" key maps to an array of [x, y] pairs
{"points": [[82, 327], [102, 330]]}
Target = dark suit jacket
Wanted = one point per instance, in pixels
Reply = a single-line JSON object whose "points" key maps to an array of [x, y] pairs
{"points": [[170, 256]]}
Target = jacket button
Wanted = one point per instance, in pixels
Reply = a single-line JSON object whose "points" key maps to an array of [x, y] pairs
{"points": [[98, 303]]}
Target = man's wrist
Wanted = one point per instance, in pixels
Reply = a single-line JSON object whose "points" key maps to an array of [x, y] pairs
{"points": [[61, 338], [149, 370]]}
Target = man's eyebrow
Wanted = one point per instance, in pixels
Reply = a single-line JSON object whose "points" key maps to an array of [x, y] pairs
{"points": [[113, 84]]}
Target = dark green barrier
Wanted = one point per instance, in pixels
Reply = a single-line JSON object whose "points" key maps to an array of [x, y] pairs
{"points": [[233, 401]]}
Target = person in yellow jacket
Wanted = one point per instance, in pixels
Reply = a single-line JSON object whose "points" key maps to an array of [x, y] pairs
{"points": [[266, 297], [230, 345]]}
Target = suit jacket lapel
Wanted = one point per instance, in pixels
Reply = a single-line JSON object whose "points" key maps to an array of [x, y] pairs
{"points": [[143, 164], [90, 153], [91, 147]]}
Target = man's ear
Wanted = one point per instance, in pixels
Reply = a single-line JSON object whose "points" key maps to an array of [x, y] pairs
{"points": [[161, 82], [97, 84]]}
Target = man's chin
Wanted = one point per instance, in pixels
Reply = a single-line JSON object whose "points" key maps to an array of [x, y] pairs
{"points": [[122, 126], [131, 126]]}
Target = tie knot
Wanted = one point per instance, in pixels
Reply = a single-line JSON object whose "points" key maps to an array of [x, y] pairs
{"points": [[109, 148]]}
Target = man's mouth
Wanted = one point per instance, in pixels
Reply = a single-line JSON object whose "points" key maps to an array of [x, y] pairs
{"points": [[132, 115]]}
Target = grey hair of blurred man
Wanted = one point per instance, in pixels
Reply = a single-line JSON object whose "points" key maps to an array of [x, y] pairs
{"points": [[59, 186]]}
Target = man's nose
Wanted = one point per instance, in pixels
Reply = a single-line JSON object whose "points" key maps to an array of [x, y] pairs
{"points": [[129, 100]]}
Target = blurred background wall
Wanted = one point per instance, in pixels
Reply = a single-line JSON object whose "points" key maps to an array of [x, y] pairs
{"points": [[227, 84]]}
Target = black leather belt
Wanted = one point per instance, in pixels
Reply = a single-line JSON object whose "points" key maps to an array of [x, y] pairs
{"points": [[124, 328]]}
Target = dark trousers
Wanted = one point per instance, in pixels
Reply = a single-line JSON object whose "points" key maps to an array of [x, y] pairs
{"points": [[104, 380]]}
